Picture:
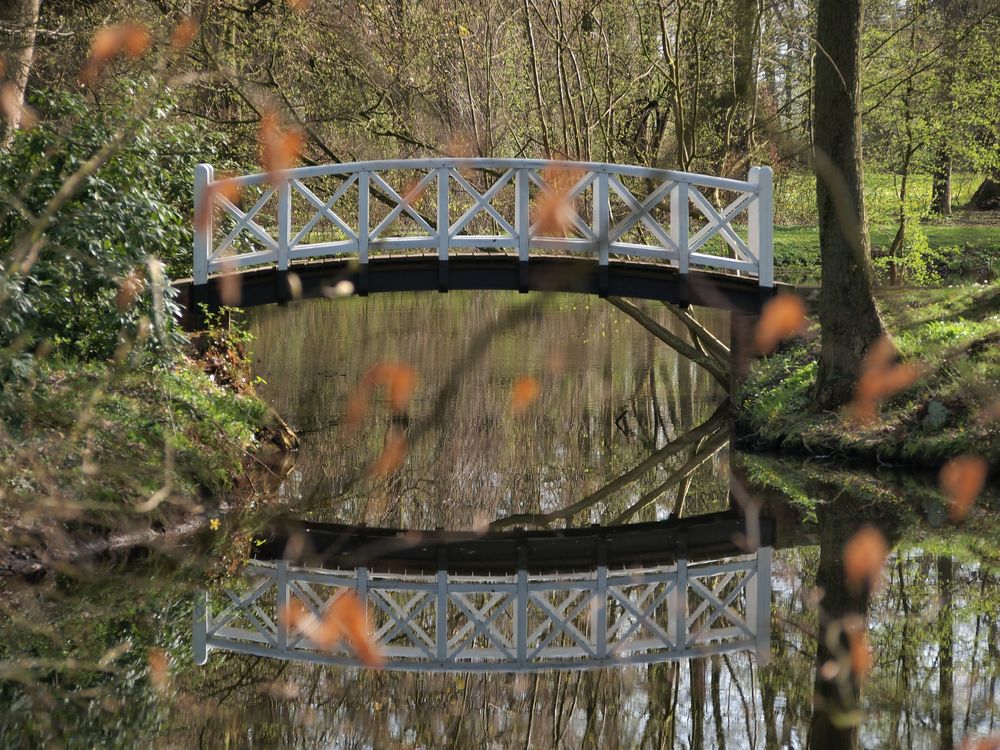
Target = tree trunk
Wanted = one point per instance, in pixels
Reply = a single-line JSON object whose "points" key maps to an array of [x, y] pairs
{"points": [[941, 174], [836, 697], [21, 17], [941, 184], [946, 660], [849, 317]]}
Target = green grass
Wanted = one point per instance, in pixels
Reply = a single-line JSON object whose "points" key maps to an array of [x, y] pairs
{"points": [[952, 333], [963, 247], [958, 251], [92, 444]]}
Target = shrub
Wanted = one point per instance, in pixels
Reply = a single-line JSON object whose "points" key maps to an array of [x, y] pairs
{"points": [[94, 277]]}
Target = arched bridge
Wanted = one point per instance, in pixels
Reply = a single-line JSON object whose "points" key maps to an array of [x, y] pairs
{"points": [[517, 224], [509, 602]]}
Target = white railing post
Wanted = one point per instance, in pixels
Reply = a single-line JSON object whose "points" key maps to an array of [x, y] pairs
{"points": [[679, 214], [601, 615], [761, 622], [522, 213], [204, 210], [364, 183], [602, 217], [199, 641], [443, 215], [281, 583], [521, 619], [441, 616], [679, 611], [761, 224], [284, 192]]}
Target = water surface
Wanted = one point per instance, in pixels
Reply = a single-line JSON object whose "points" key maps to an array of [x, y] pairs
{"points": [[611, 396]]}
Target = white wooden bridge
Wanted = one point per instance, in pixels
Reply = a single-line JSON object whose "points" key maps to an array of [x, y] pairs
{"points": [[507, 623], [543, 606], [357, 219]]}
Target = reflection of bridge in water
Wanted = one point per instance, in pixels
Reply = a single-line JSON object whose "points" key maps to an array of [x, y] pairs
{"points": [[508, 602], [654, 233]]}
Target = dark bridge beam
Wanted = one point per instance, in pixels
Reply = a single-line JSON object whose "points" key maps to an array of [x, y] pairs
{"points": [[337, 546], [485, 271]]}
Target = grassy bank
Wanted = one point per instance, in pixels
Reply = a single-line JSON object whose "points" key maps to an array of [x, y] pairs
{"points": [[952, 333], [955, 250], [89, 452]]}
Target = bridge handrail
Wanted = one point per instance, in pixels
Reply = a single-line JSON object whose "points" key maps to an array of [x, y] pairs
{"points": [[601, 234], [503, 623]]}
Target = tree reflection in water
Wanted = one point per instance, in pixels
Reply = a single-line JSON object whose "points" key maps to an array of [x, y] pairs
{"points": [[610, 407]]}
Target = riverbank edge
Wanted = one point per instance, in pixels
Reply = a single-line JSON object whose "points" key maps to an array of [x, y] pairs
{"points": [[223, 420], [951, 333]]}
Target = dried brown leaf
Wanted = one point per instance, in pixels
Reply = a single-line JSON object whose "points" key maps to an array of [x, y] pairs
{"points": [[395, 449], [782, 317], [864, 557], [524, 393], [961, 480]]}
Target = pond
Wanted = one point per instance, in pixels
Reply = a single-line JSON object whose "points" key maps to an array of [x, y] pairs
{"points": [[524, 409]]}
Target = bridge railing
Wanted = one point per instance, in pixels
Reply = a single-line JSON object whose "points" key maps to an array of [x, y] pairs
{"points": [[503, 623], [601, 210]]}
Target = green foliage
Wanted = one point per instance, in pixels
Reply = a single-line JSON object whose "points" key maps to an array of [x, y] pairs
{"points": [[950, 333], [116, 458], [136, 208], [912, 261]]}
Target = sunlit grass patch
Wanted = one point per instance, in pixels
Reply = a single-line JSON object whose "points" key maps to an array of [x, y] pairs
{"points": [[951, 334], [87, 439]]}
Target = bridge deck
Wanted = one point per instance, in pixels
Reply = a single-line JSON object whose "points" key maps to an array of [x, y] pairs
{"points": [[337, 546], [487, 271]]}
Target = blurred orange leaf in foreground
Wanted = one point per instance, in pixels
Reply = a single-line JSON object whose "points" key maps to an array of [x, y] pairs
{"points": [[131, 38], [184, 33], [279, 146], [345, 618], [229, 191], [129, 287], [399, 378], [159, 669], [524, 393], [857, 638], [553, 209], [864, 557], [14, 108], [783, 316], [393, 455], [962, 479], [880, 378], [981, 743]]}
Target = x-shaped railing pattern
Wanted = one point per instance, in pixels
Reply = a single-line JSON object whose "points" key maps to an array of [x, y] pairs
{"points": [[356, 209], [516, 622]]}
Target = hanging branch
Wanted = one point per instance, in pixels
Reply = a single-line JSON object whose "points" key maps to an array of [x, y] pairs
{"points": [[718, 350], [703, 432], [675, 342]]}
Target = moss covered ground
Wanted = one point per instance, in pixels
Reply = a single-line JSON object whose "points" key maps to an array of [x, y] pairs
{"points": [[952, 333], [88, 450]]}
